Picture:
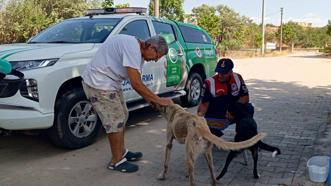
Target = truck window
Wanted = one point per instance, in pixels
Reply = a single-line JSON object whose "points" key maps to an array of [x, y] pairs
{"points": [[77, 31], [166, 30], [192, 35], [138, 28]]}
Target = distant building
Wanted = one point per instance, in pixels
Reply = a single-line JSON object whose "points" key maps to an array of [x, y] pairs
{"points": [[304, 24], [191, 18]]}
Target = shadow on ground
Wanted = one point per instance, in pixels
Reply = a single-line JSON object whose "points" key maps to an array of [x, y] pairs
{"points": [[32, 145], [291, 114], [325, 56]]}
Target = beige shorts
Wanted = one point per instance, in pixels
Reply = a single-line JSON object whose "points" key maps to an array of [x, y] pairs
{"points": [[110, 107]]}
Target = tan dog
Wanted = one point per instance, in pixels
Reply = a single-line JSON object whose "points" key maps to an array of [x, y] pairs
{"points": [[193, 130]]}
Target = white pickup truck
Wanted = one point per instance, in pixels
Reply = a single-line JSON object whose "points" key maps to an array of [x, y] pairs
{"points": [[52, 97]]}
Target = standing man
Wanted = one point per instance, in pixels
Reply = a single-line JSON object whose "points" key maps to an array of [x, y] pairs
{"points": [[221, 90], [121, 57]]}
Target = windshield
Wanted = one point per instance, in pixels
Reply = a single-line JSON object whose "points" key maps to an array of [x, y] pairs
{"points": [[78, 31]]}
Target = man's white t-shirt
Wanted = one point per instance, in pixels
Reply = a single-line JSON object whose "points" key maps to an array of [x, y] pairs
{"points": [[107, 70]]}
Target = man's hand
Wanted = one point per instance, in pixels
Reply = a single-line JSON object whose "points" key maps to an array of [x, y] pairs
{"points": [[202, 108], [244, 99], [164, 102]]}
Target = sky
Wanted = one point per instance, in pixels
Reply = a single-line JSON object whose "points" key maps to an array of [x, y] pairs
{"points": [[316, 12]]}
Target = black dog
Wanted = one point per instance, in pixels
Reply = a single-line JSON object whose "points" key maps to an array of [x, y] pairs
{"points": [[245, 129]]}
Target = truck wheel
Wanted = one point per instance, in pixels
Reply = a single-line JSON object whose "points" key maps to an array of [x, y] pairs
{"points": [[76, 124], [193, 90]]}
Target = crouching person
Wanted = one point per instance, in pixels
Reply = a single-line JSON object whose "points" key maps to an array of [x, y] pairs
{"points": [[224, 88]]}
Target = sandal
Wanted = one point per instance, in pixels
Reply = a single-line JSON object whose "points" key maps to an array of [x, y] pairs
{"points": [[123, 166], [132, 156]]}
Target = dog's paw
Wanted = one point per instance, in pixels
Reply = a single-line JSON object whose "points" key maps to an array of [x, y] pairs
{"points": [[257, 176], [161, 176]]}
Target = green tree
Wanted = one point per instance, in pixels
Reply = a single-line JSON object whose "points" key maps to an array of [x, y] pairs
{"points": [[329, 28], [207, 19], [232, 29], [315, 37], [125, 5], [253, 36], [271, 33], [22, 19], [108, 3], [62, 9], [292, 34], [171, 9], [95, 4]]}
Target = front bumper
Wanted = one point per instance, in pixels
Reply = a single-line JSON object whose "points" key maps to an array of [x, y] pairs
{"points": [[20, 113], [21, 118]]}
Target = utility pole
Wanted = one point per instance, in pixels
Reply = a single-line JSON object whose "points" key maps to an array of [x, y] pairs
{"points": [[156, 8], [263, 29], [281, 29]]}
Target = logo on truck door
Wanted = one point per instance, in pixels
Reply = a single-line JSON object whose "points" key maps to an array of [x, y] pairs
{"points": [[198, 52], [173, 55], [148, 80]]}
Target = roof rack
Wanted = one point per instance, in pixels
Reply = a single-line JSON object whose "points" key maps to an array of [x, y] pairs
{"points": [[105, 11]]}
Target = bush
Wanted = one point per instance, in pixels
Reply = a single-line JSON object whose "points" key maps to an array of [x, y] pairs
{"points": [[22, 19]]}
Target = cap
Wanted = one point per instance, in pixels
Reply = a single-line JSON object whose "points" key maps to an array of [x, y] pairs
{"points": [[224, 65]]}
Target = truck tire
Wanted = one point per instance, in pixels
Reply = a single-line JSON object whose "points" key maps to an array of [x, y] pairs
{"points": [[76, 124], [193, 90]]}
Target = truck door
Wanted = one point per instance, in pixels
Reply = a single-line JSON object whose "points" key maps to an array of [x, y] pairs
{"points": [[175, 63], [140, 29]]}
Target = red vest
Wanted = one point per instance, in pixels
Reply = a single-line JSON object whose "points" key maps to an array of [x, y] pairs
{"points": [[220, 89]]}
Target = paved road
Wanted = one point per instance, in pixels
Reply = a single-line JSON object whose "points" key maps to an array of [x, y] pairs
{"points": [[292, 96]]}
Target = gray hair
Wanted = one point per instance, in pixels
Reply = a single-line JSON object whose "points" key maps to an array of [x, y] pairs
{"points": [[159, 43]]}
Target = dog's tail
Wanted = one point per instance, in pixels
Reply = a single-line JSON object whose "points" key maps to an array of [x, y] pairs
{"points": [[227, 145]]}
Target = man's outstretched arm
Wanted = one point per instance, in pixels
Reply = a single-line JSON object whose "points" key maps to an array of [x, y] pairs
{"points": [[202, 109], [148, 95]]}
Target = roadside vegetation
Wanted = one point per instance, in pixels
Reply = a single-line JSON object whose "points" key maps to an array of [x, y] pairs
{"points": [[21, 19]]}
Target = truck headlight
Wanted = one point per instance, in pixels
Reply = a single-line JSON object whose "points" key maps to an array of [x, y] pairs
{"points": [[33, 64]]}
